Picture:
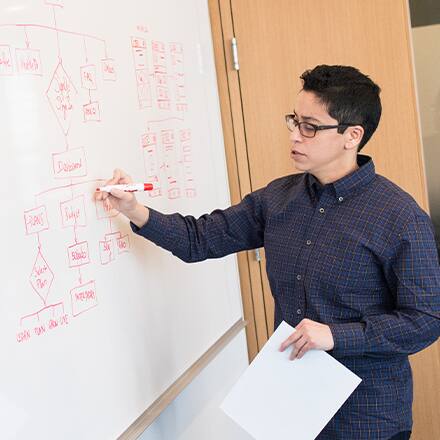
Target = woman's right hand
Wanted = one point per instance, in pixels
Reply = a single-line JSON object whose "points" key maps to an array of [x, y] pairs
{"points": [[123, 201]]}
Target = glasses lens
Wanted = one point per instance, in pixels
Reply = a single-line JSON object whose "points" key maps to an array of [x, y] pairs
{"points": [[307, 130], [290, 121]]}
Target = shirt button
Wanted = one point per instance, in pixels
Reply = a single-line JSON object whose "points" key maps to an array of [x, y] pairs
{"points": [[298, 277], [341, 199], [298, 312], [308, 242], [321, 210]]}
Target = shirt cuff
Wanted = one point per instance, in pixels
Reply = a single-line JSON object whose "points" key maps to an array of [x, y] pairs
{"points": [[349, 339], [153, 229]]}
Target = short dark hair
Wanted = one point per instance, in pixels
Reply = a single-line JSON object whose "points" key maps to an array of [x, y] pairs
{"points": [[349, 95]]}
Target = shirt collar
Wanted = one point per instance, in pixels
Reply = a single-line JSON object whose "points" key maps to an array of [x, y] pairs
{"points": [[347, 185]]}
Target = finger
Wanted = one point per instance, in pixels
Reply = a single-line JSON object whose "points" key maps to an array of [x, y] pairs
{"points": [[116, 178], [302, 323], [107, 205], [290, 340], [122, 176], [297, 349], [303, 350]]}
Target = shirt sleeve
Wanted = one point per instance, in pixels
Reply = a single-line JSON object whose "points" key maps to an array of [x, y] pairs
{"points": [[214, 235], [413, 275]]}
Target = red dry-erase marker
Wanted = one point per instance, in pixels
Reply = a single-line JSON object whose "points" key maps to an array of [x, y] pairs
{"points": [[129, 187]]}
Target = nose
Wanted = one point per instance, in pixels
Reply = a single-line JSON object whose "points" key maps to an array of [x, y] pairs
{"points": [[295, 135]]}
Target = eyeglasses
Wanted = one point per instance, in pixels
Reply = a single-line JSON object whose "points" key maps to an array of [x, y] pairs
{"points": [[309, 130]]}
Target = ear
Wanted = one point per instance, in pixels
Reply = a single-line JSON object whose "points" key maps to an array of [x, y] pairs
{"points": [[353, 137]]}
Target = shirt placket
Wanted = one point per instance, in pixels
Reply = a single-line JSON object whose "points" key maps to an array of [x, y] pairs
{"points": [[311, 236]]}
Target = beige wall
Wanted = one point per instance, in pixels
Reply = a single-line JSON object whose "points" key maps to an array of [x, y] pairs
{"points": [[426, 43]]}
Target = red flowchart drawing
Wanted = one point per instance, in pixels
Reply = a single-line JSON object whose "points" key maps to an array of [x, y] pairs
{"points": [[108, 69], [170, 164], [41, 277], [61, 94], [159, 58], [185, 143], [70, 163], [178, 71], [6, 64], [103, 211], [83, 298], [41, 322], [111, 242], [36, 220], [28, 61], [88, 77], [151, 162], [123, 244], [106, 251], [78, 254], [91, 112], [73, 212], [161, 75], [139, 51]]}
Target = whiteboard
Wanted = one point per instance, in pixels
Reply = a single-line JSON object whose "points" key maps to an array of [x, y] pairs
{"points": [[95, 322]]}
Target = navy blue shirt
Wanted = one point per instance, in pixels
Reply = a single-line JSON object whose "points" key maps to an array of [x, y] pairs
{"points": [[358, 255]]}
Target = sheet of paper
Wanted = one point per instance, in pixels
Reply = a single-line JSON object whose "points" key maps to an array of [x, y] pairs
{"points": [[277, 398]]}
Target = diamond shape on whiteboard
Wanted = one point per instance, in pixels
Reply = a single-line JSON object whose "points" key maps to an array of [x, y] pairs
{"points": [[61, 94], [41, 277]]}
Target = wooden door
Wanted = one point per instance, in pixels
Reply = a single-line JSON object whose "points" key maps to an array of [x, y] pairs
{"points": [[279, 39]]}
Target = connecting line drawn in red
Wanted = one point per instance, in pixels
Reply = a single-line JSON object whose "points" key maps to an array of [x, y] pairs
{"points": [[73, 213], [52, 28], [160, 75], [41, 277], [170, 164], [69, 185], [83, 298], [85, 50], [78, 254], [61, 94], [188, 177], [178, 71], [59, 3], [26, 38], [57, 33], [6, 63], [70, 163], [108, 69], [157, 121], [139, 51], [42, 322], [151, 162], [35, 220]]}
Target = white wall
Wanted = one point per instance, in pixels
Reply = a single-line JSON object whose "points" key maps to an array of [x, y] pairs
{"points": [[195, 413]]}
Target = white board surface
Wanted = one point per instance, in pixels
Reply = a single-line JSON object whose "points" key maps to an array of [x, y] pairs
{"points": [[95, 322]]}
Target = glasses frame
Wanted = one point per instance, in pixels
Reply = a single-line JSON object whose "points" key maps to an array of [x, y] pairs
{"points": [[298, 124]]}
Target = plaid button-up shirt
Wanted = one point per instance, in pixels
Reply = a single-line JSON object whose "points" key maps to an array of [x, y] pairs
{"points": [[358, 255]]}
